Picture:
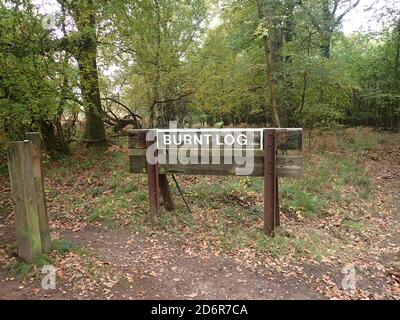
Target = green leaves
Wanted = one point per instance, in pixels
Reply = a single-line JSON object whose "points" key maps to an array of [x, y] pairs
{"points": [[28, 91], [159, 41]]}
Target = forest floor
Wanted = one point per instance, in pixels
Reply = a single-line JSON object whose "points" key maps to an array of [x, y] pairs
{"points": [[343, 214]]}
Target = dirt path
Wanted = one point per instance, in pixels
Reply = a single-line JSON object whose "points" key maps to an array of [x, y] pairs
{"points": [[163, 270]]}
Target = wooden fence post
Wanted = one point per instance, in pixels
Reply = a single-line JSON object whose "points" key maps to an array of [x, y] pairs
{"points": [[270, 182], [40, 193], [138, 164], [24, 196], [138, 149], [154, 199]]}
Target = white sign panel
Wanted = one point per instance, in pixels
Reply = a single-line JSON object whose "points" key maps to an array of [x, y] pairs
{"points": [[244, 139]]}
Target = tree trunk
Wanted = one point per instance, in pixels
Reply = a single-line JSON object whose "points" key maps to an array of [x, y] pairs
{"points": [[94, 128], [327, 29], [330, 21], [50, 141], [63, 146], [272, 47], [155, 116], [326, 44], [397, 61], [86, 55]]}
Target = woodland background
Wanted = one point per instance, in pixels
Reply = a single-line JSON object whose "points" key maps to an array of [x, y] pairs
{"points": [[98, 67]]}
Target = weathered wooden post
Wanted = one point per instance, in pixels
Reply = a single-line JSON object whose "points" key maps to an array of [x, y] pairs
{"points": [[137, 151], [270, 182], [25, 200], [40, 193], [152, 173], [138, 163]]}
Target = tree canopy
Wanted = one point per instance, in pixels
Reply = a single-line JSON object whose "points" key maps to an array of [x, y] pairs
{"points": [[95, 66]]}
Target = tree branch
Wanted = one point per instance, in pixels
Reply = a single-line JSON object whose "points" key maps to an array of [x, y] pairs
{"points": [[176, 99], [351, 7], [335, 7], [124, 106]]}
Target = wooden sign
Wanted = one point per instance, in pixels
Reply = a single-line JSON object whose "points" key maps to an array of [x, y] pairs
{"points": [[210, 138], [268, 153]]}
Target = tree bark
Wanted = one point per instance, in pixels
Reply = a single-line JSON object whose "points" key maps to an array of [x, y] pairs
{"points": [[397, 61], [85, 52], [272, 47], [154, 116], [330, 21], [50, 141], [94, 128]]}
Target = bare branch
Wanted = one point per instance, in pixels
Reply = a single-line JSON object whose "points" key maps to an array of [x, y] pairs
{"points": [[124, 106], [113, 114], [335, 7], [176, 99], [351, 7]]}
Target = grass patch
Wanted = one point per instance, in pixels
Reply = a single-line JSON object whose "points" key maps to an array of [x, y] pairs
{"points": [[358, 139], [303, 243], [100, 214], [296, 200], [330, 180], [125, 205], [23, 269], [234, 215], [62, 246], [353, 225], [3, 169], [173, 222], [94, 191]]}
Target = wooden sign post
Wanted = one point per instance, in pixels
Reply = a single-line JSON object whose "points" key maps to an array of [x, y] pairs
{"points": [[138, 149], [271, 210], [154, 201], [27, 189], [274, 153], [25, 200]]}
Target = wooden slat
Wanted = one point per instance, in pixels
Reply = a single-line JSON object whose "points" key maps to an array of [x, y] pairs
{"points": [[138, 162], [287, 166], [198, 153], [225, 170]]}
